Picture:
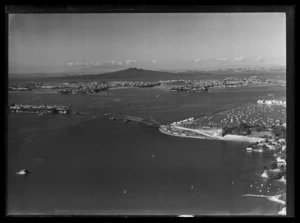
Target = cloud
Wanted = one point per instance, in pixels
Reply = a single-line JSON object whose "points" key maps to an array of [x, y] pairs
{"points": [[240, 59], [153, 61], [103, 63], [129, 62], [260, 59], [222, 60], [197, 60]]}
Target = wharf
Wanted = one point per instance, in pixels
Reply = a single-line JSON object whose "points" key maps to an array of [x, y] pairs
{"points": [[151, 123]]}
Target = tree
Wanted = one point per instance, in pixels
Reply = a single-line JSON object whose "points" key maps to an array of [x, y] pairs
{"points": [[273, 165], [274, 175], [282, 156], [54, 111], [226, 130], [279, 131], [248, 131], [282, 170]]}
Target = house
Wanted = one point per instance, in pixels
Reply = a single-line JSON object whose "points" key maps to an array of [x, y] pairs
{"points": [[268, 102], [280, 162]]}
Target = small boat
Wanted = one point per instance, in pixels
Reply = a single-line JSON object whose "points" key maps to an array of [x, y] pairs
{"points": [[107, 114], [23, 172], [112, 118], [186, 216]]}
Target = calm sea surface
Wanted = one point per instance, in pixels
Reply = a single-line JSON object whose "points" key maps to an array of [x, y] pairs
{"points": [[86, 165]]}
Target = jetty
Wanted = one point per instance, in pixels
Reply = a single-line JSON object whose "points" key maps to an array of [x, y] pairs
{"points": [[151, 122]]}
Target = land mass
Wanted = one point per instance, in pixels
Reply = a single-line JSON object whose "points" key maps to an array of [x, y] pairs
{"points": [[86, 87]]}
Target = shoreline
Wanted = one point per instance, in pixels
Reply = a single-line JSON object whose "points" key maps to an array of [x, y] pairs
{"points": [[238, 138], [170, 134]]}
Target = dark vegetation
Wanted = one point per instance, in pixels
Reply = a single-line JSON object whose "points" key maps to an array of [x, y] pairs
{"points": [[279, 131], [243, 129]]}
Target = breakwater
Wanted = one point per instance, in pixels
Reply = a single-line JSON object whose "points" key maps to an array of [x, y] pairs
{"points": [[128, 118]]}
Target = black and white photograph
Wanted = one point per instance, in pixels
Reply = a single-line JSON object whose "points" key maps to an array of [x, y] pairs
{"points": [[147, 114]]}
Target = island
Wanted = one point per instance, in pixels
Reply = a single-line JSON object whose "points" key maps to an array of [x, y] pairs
{"points": [[40, 109]]}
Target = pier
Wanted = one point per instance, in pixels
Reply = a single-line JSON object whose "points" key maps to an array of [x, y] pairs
{"points": [[151, 122]]}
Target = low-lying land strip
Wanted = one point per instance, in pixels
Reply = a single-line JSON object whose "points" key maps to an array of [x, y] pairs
{"points": [[40, 109], [173, 85]]}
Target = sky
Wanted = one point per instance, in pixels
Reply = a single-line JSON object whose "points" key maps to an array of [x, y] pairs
{"points": [[58, 42]]}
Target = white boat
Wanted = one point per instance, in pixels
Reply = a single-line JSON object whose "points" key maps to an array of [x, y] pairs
{"points": [[186, 216], [23, 172]]}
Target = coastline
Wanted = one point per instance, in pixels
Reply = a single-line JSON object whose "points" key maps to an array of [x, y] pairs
{"points": [[215, 133], [213, 136], [167, 133]]}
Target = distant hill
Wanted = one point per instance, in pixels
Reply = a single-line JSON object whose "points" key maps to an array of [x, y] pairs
{"points": [[141, 74]]}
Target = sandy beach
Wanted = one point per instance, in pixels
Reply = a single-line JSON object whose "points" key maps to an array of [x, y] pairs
{"points": [[212, 134]]}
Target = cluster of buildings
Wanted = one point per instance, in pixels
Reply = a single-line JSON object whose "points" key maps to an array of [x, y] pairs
{"points": [[277, 149], [270, 146], [203, 85], [170, 129], [18, 88], [53, 109], [114, 84], [95, 87], [271, 102], [189, 88], [181, 85], [186, 121], [251, 80], [82, 88]]}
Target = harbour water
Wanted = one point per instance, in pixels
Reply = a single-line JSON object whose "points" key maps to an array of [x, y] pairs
{"points": [[92, 165]]}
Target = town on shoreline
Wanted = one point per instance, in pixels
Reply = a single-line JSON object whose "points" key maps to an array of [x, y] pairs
{"points": [[267, 139], [74, 87]]}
